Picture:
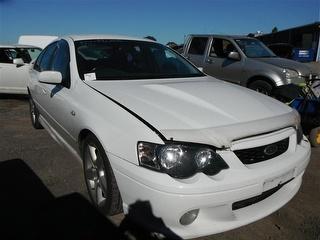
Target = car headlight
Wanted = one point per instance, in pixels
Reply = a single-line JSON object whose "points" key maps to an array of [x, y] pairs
{"points": [[299, 134], [289, 74], [180, 160]]}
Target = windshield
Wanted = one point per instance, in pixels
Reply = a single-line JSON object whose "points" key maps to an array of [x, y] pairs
{"points": [[27, 54], [253, 48], [127, 59]]}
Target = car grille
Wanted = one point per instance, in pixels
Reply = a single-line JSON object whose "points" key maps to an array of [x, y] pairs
{"points": [[259, 198], [262, 153]]}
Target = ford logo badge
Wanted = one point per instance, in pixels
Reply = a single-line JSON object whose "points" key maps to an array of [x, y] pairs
{"points": [[270, 149]]}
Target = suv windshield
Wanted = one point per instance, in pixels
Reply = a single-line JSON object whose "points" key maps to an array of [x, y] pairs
{"points": [[253, 48], [127, 59]]}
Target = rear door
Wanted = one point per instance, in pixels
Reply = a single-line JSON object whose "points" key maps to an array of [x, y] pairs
{"points": [[217, 63], [197, 49]]}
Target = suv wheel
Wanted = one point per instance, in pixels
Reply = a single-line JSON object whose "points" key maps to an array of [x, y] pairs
{"points": [[261, 86]]}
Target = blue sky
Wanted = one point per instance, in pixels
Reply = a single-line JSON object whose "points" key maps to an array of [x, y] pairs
{"points": [[166, 20]]}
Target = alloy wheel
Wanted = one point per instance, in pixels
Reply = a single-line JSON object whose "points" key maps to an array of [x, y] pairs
{"points": [[95, 175], [32, 111]]}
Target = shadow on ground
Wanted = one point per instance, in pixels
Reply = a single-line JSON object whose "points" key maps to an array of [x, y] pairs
{"points": [[30, 211]]}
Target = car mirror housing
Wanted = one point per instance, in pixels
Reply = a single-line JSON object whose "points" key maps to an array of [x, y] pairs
{"points": [[51, 77], [234, 56], [18, 62]]}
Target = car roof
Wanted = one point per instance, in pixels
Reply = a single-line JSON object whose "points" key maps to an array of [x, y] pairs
{"points": [[106, 36], [17, 46], [222, 36]]}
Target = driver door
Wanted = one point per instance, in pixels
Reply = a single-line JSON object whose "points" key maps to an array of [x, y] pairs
{"points": [[56, 99], [218, 64]]}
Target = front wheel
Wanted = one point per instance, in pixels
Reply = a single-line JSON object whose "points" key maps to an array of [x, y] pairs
{"points": [[261, 86], [101, 183]]}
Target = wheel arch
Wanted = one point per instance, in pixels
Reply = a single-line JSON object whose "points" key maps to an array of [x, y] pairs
{"points": [[82, 135], [261, 77]]}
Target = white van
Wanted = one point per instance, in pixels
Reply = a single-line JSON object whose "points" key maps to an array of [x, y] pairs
{"points": [[40, 41]]}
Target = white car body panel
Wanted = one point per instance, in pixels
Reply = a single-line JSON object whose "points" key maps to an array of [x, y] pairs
{"points": [[200, 110], [196, 112], [13, 79]]}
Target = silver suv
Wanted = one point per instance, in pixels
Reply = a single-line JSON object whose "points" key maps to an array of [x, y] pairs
{"points": [[243, 60]]}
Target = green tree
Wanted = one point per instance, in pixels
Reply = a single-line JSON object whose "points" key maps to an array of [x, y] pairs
{"points": [[274, 30]]}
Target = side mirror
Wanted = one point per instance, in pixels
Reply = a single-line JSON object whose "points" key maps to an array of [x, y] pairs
{"points": [[234, 56], [18, 61], [51, 77]]}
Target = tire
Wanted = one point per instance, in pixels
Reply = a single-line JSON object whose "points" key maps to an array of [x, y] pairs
{"points": [[261, 86], [34, 114], [314, 137], [100, 181]]}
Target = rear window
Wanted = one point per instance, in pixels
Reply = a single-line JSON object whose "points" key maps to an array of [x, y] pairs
{"points": [[198, 45]]}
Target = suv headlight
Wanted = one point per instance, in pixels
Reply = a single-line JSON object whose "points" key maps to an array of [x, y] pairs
{"points": [[180, 160], [289, 74]]}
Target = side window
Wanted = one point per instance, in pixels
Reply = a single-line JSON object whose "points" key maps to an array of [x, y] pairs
{"points": [[4, 58], [61, 62], [221, 48], [198, 45], [47, 57]]}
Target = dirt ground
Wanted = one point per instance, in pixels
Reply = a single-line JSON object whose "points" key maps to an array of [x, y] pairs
{"points": [[62, 174]]}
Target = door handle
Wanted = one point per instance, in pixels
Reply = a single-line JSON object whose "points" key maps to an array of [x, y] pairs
{"points": [[208, 60]]}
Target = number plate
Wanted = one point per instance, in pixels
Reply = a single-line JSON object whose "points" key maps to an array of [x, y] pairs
{"points": [[274, 182]]}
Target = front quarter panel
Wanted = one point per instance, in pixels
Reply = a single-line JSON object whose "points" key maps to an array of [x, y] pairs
{"points": [[118, 130], [254, 68]]}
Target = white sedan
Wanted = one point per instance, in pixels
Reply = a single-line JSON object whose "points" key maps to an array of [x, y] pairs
{"points": [[14, 67], [209, 156]]}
